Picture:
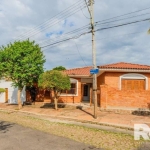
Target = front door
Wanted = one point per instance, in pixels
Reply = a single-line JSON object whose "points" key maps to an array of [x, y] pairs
{"points": [[86, 92]]}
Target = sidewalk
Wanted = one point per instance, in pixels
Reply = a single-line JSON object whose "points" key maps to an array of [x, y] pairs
{"points": [[83, 114]]}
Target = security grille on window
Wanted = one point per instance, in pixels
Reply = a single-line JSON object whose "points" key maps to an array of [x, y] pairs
{"points": [[133, 82], [73, 89]]}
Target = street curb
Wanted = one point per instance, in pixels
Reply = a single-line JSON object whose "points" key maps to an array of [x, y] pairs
{"points": [[116, 126]]}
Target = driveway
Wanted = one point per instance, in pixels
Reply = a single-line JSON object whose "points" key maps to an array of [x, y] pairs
{"points": [[15, 137]]}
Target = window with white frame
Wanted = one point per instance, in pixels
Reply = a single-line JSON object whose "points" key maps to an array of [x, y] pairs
{"points": [[133, 81], [74, 88]]}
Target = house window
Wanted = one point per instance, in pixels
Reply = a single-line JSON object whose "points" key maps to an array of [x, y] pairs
{"points": [[73, 90], [133, 82]]}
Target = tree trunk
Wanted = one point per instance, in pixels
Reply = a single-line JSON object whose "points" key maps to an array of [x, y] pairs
{"points": [[19, 100], [55, 100]]}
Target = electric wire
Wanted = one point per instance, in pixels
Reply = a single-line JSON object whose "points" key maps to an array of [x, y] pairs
{"points": [[105, 19], [54, 17], [64, 35], [54, 23], [121, 19], [124, 24], [97, 30], [75, 37], [84, 14], [74, 31], [80, 54], [124, 14]]}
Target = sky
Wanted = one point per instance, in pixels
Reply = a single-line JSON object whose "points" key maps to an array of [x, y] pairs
{"points": [[48, 22]]}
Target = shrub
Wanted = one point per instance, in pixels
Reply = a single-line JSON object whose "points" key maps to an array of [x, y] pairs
{"points": [[2, 90]]}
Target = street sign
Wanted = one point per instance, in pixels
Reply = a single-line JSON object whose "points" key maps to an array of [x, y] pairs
{"points": [[94, 71]]}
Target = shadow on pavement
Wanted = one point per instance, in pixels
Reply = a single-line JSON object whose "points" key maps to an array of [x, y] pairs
{"points": [[80, 108], [51, 105], [5, 126]]}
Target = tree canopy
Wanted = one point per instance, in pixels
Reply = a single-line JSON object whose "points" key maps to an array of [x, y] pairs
{"points": [[3, 68], [54, 80], [23, 62], [59, 68]]}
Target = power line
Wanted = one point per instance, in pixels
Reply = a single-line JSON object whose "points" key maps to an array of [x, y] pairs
{"points": [[97, 30], [84, 14], [122, 19], [120, 35], [98, 21], [70, 32], [74, 31], [122, 24], [79, 53], [77, 30], [104, 38], [112, 37], [124, 14], [57, 15], [53, 23], [75, 37]]}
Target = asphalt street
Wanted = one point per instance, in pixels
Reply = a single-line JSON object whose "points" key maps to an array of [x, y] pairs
{"points": [[16, 137]]}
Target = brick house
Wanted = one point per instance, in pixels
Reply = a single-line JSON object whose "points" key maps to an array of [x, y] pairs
{"points": [[119, 86], [124, 86]]}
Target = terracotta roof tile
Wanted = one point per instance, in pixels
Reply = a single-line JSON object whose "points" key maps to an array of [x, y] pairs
{"points": [[123, 65], [79, 71]]}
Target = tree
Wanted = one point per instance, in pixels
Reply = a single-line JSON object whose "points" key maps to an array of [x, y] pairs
{"points": [[55, 81], [24, 62], [59, 68], [2, 63]]}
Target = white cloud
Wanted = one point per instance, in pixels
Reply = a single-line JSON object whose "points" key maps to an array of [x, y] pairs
{"points": [[21, 17]]}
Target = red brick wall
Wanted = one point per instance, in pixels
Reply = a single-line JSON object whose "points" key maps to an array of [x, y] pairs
{"points": [[100, 80], [112, 96], [63, 99]]}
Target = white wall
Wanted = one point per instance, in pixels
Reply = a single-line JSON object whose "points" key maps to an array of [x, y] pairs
{"points": [[2, 97], [12, 92]]}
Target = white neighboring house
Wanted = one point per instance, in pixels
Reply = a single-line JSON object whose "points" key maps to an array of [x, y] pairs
{"points": [[11, 96]]}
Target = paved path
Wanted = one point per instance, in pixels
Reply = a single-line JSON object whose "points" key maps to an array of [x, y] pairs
{"points": [[15, 137], [123, 120]]}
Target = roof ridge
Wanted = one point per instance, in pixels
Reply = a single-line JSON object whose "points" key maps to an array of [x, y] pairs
{"points": [[111, 64], [78, 68], [124, 63], [135, 64]]}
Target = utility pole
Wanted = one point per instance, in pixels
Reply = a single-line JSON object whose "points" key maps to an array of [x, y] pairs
{"points": [[91, 11]]}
